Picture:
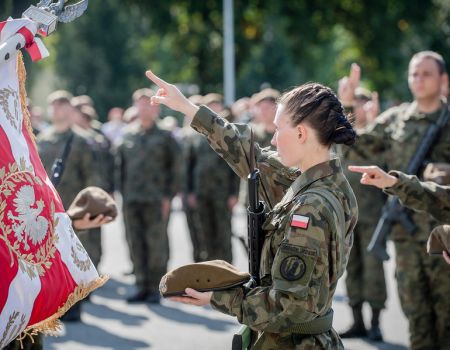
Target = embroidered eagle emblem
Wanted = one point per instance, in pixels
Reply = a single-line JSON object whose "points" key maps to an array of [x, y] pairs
{"points": [[28, 224]]}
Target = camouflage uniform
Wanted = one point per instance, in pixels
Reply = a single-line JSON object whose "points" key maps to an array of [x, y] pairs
{"points": [[80, 169], [424, 196], [213, 183], [299, 267], [365, 274], [423, 290], [104, 167], [147, 172], [192, 219]]}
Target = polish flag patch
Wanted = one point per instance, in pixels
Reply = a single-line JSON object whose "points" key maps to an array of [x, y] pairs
{"points": [[300, 221]]}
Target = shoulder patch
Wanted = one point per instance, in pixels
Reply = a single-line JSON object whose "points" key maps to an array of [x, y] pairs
{"points": [[292, 268], [300, 221]]}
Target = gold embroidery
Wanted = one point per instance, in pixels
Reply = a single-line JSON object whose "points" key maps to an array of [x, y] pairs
{"points": [[13, 117], [28, 262], [21, 72], [83, 265]]}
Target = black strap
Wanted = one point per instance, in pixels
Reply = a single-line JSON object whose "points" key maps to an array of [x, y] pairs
{"points": [[59, 164]]}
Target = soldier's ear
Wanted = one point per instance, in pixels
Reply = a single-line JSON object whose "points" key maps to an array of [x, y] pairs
{"points": [[302, 133], [444, 85]]}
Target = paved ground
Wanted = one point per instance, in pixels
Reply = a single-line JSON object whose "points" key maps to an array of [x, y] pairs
{"points": [[108, 322]]}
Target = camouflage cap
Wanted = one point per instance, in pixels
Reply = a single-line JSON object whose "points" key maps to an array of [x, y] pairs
{"points": [[92, 200], [82, 100], [59, 96], [362, 94], [212, 98], [142, 93], [204, 276], [196, 99], [267, 94], [439, 240], [88, 112]]}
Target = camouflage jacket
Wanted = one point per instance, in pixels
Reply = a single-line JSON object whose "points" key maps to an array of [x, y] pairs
{"points": [[207, 174], [370, 199], [395, 136], [305, 250], [419, 195], [148, 166], [80, 170]]}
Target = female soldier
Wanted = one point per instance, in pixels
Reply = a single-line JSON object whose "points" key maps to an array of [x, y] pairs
{"points": [[308, 233]]}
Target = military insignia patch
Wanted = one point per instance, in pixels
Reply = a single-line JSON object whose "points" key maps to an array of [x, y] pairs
{"points": [[300, 221], [292, 268]]}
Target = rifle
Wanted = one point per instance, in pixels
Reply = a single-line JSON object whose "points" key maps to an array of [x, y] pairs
{"points": [[256, 216], [393, 211]]}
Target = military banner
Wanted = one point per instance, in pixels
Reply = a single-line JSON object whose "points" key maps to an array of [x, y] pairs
{"points": [[44, 269]]}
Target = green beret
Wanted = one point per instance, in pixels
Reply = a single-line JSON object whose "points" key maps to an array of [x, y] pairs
{"points": [[439, 240], [92, 200], [204, 276]]}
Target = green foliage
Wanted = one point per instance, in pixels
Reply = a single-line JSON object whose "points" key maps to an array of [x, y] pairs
{"points": [[282, 43]]}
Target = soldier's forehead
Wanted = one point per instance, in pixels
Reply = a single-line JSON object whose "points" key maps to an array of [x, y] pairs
{"points": [[423, 62]]}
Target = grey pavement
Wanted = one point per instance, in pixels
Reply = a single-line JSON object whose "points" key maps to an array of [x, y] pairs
{"points": [[108, 322]]}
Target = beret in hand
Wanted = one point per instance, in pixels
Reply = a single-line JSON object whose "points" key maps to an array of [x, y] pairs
{"points": [[204, 276]]}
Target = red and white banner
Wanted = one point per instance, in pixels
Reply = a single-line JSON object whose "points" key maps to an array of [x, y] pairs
{"points": [[27, 28], [44, 268]]}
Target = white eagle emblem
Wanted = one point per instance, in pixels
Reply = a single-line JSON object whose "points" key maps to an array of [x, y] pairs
{"points": [[28, 224]]}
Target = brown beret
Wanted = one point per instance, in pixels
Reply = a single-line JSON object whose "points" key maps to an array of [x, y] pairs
{"points": [[439, 240], [92, 200], [204, 276]]}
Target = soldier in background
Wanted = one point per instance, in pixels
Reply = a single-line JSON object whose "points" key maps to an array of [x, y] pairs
{"points": [[215, 188], [104, 166], [113, 128], [365, 280], [398, 131], [187, 140], [147, 162], [80, 163], [264, 107]]}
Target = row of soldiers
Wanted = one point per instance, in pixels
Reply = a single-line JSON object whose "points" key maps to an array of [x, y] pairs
{"points": [[149, 168]]}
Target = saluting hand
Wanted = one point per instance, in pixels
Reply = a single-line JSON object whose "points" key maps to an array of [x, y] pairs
{"points": [[171, 96], [194, 297], [374, 176], [347, 85]]}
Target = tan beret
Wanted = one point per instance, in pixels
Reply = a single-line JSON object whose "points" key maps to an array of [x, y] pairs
{"points": [[439, 240], [92, 200], [204, 276]]}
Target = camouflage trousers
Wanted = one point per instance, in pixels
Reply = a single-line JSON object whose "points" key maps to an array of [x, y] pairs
{"points": [[92, 242], [285, 341], [27, 344], [424, 290], [198, 242], [215, 223], [365, 274], [149, 242]]}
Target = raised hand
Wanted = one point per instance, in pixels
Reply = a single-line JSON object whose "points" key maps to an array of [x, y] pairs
{"points": [[374, 176], [347, 85], [169, 95]]}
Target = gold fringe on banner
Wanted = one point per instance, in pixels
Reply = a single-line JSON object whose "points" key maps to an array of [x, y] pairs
{"points": [[22, 74], [52, 324]]}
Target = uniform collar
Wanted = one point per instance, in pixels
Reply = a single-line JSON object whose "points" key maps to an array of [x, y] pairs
{"points": [[414, 113], [317, 172]]}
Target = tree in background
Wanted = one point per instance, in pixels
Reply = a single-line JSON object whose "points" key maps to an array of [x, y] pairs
{"points": [[106, 51]]}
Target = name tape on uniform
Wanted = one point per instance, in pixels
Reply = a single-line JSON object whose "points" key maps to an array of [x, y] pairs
{"points": [[300, 221]]}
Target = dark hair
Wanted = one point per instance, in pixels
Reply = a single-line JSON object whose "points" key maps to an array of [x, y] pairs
{"points": [[319, 106], [434, 56]]}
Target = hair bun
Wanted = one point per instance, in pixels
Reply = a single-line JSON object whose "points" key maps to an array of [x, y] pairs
{"points": [[344, 133]]}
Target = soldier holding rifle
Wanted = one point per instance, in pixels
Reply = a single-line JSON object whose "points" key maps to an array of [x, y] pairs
{"points": [[308, 234], [403, 135]]}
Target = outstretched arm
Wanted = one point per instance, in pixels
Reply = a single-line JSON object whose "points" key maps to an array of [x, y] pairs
{"points": [[413, 193]]}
